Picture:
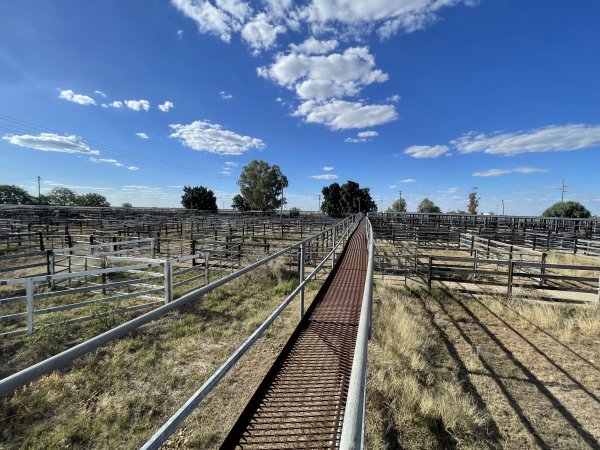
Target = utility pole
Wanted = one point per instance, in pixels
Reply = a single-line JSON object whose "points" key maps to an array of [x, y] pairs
{"points": [[319, 202], [502, 206], [281, 213], [39, 190], [563, 189]]}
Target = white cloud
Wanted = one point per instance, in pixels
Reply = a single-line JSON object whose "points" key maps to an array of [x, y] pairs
{"points": [[260, 34], [327, 168], [100, 93], [212, 138], [322, 77], [76, 98], [116, 104], [392, 186], [231, 164], [426, 151], [368, 134], [222, 19], [50, 142], [408, 180], [325, 176], [133, 168], [106, 161], [142, 135], [137, 105], [166, 106], [313, 46], [340, 114], [225, 96], [180, 34], [450, 190], [498, 172], [393, 98], [545, 139]]}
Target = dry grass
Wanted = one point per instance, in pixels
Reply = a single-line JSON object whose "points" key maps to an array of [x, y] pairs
{"points": [[119, 395], [412, 401]]}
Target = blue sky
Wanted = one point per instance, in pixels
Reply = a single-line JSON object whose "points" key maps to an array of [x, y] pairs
{"points": [[429, 97]]}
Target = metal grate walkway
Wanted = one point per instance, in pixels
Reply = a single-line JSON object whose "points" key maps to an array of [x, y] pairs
{"points": [[300, 403]]}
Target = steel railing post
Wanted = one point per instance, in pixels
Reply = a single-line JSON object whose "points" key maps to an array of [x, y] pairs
{"points": [[301, 270], [30, 305], [168, 283], [205, 268]]}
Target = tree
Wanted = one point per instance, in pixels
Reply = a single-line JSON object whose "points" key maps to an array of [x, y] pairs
{"points": [[261, 185], [14, 195], [199, 197], [473, 202], [240, 204], [567, 209], [294, 212], [347, 199], [127, 205], [427, 206], [62, 196], [398, 206], [92, 199]]}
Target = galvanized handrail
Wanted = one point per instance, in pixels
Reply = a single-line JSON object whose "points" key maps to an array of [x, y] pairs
{"points": [[353, 426], [19, 379]]}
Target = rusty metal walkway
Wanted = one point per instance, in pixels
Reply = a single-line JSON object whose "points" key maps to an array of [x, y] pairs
{"points": [[300, 403]]}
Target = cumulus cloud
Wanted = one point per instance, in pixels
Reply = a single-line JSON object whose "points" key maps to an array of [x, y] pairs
{"points": [[180, 34], [142, 135], [222, 19], [166, 106], [106, 161], [100, 93], [225, 96], [260, 33], [76, 98], [231, 164], [341, 114], [321, 77], [545, 139], [212, 138], [312, 46], [427, 151], [50, 142], [325, 176], [116, 104], [133, 168], [498, 172], [137, 105], [327, 168], [393, 98]]}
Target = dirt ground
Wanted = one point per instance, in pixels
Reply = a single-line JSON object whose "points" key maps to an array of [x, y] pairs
{"points": [[540, 390]]}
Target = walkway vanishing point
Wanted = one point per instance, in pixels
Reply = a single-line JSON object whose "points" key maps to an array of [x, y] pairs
{"points": [[301, 401]]}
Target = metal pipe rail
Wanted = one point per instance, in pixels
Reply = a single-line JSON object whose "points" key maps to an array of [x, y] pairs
{"points": [[19, 379], [353, 426]]}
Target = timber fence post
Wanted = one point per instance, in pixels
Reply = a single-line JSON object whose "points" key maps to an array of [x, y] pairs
{"points": [[30, 305]]}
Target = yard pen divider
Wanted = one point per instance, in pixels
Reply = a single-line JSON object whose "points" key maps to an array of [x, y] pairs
{"points": [[48, 365]]}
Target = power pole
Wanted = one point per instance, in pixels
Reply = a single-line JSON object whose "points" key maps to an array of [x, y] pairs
{"points": [[502, 206], [281, 213], [39, 190], [319, 202], [563, 189]]}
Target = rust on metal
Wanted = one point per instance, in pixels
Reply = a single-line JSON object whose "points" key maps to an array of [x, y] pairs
{"points": [[300, 403]]}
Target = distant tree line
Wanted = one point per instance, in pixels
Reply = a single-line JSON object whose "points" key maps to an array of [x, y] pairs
{"points": [[59, 196]]}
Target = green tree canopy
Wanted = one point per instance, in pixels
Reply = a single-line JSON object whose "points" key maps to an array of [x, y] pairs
{"points": [[473, 202], [427, 206], [261, 185], [240, 204], [567, 209], [92, 199], [346, 199], [199, 197], [294, 212], [127, 205], [62, 196], [399, 205], [14, 195]]}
